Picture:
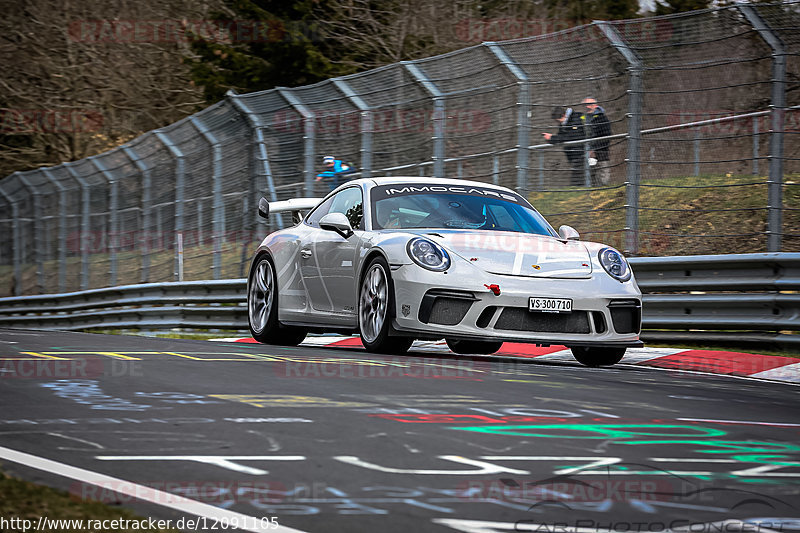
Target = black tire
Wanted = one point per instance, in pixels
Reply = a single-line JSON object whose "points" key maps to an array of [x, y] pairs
{"points": [[262, 307], [376, 310], [473, 347], [597, 356]]}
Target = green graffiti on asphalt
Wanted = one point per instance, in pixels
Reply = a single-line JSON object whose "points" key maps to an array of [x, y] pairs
{"points": [[599, 431], [699, 439], [634, 434]]}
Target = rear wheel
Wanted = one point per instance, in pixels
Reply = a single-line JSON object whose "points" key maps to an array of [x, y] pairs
{"points": [[597, 356], [375, 305], [262, 307], [474, 347]]}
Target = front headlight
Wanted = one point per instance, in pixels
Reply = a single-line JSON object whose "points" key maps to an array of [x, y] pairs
{"points": [[428, 254], [615, 264]]}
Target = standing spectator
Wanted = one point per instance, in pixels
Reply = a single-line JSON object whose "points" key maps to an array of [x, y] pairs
{"points": [[335, 168], [597, 125], [570, 129]]}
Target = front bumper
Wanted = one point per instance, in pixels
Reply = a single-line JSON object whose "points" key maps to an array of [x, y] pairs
{"points": [[458, 305]]}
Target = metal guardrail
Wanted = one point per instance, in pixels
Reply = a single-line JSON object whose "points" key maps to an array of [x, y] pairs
{"points": [[738, 299], [211, 304], [723, 299]]}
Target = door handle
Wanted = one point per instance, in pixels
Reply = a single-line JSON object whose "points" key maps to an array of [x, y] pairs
{"points": [[305, 253]]}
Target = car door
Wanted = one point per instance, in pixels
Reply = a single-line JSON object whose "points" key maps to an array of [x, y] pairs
{"points": [[328, 260]]}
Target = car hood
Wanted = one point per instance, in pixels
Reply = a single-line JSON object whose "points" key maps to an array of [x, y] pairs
{"points": [[517, 254]]}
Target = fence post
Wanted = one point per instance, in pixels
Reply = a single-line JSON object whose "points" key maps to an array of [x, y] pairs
{"points": [[147, 183], [261, 154], [249, 218], [17, 247], [496, 170], [633, 159], [365, 125], [38, 229], [85, 221], [541, 170], [200, 234], [697, 152], [439, 116], [778, 105], [180, 197], [309, 132], [523, 112], [113, 208], [587, 169], [62, 229], [755, 146], [218, 205]]}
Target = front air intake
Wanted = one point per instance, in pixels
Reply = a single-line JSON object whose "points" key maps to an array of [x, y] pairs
{"points": [[626, 315], [445, 307], [520, 319]]}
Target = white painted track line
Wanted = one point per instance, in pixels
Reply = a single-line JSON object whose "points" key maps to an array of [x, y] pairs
{"points": [[141, 492]]}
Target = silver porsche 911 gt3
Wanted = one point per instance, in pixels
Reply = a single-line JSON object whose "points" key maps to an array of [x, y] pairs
{"points": [[398, 259]]}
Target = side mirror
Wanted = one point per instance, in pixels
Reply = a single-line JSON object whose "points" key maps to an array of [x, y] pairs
{"points": [[263, 208], [336, 222], [568, 233]]}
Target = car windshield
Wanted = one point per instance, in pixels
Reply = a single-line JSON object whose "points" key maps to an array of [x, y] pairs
{"points": [[410, 206]]}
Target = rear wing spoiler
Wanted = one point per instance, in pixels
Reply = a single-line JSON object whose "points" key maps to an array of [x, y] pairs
{"points": [[297, 206]]}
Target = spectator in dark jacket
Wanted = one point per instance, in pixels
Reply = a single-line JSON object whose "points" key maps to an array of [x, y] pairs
{"points": [[570, 129], [597, 124]]}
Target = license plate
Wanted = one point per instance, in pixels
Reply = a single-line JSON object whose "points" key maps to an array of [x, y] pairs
{"points": [[550, 305]]}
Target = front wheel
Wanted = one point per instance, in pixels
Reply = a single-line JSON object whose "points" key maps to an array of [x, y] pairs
{"points": [[597, 356], [262, 307], [375, 304], [473, 347]]}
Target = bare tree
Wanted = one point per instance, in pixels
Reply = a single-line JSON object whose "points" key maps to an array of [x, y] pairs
{"points": [[83, 76], [371, 34]]}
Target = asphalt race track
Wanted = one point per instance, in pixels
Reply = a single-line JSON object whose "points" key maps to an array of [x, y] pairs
{"points": [[338, 440]]}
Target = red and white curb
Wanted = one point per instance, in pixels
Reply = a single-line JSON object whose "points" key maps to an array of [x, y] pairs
{"points": [[770, 367]]}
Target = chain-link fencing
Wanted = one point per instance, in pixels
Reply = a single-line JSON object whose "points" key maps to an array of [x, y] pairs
{"points": [[703, 151]]}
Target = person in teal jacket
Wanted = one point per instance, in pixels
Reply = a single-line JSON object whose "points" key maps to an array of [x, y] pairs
{"points": [[335, 169]]}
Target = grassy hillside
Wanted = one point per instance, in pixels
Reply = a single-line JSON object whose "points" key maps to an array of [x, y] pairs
{"points": [[692, 215]]}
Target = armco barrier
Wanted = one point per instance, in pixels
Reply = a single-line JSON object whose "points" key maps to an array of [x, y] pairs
{"points": [[732, 299], [739, 299], [212, 304]]}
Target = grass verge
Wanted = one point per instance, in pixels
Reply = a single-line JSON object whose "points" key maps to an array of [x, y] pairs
{"points": [[27, 501]]}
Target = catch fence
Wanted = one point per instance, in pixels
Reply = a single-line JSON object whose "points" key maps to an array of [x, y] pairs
{"points": [[704, 152]]}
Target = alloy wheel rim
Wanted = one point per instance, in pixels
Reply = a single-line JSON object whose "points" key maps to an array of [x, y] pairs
{"points": [[260, 297], [373, 303]]}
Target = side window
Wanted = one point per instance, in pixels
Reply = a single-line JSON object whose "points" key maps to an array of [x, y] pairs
{"points": [[320, 211], [350, 203]]}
